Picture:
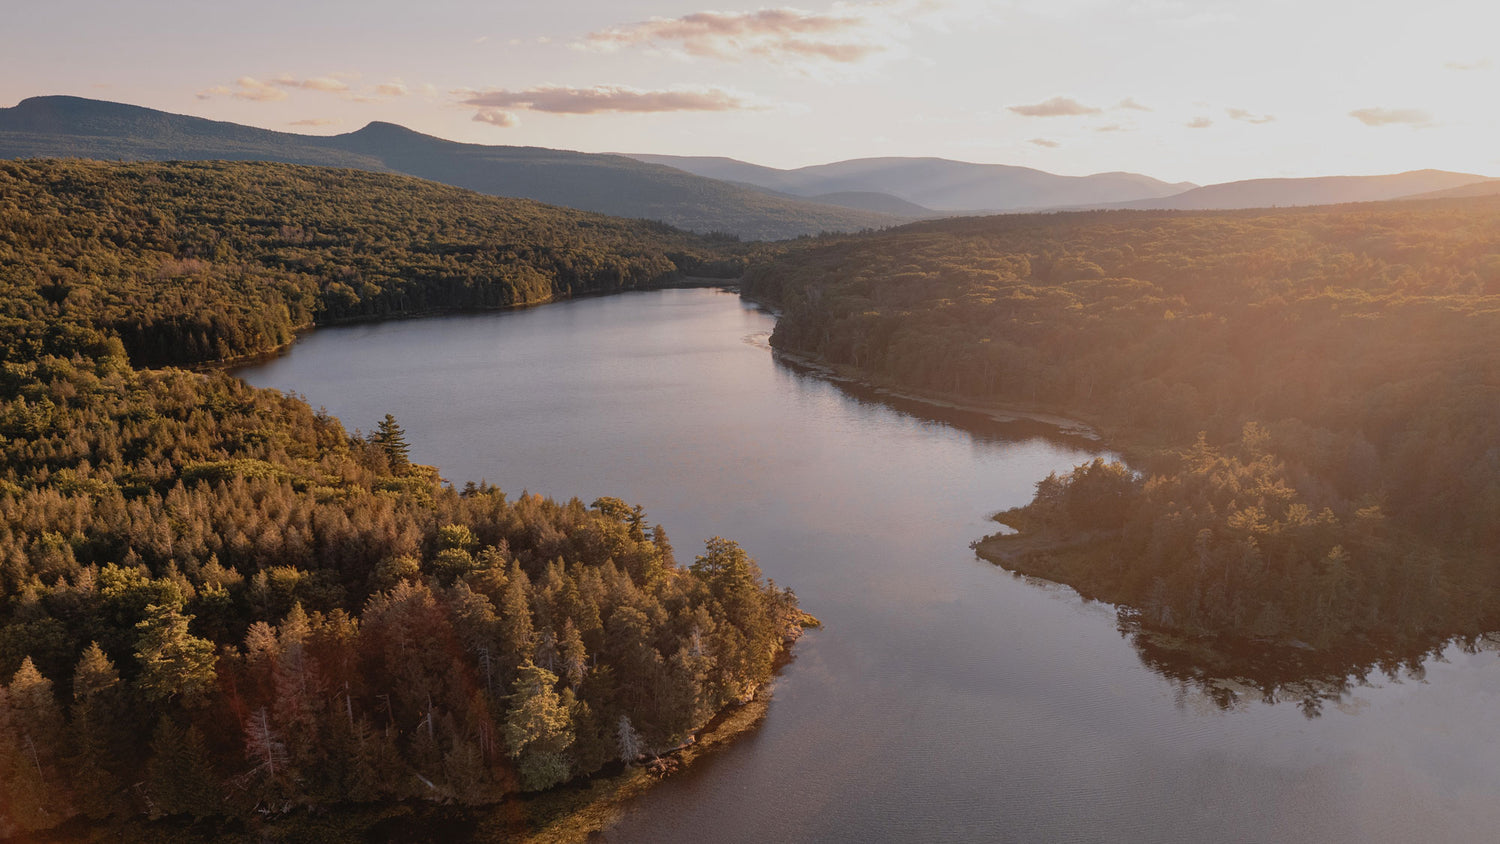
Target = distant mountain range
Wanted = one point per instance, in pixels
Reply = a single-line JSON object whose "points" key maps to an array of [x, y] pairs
{"points": [[934, 183], [702, 194], [1325, 190], [1488, 187], [609, 184]]}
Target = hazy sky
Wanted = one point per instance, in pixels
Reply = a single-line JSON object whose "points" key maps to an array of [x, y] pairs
{"points": [[1197, 90]]}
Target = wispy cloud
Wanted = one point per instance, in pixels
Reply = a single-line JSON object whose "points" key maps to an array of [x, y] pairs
{"points": [[847, 33], [1481, 64], [498, 107], [497, 117], [1044, 142], [1055, 107], [316, 83], [312, 121], [1377, 116], [245, 88], [1199, 123], [1112, 127], [1130, 103], [1247, 117], [254, 89]]}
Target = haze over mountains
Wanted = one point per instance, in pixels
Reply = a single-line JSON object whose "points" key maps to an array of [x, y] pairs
{"points": [[1326, 190], [609, 184], [935, 183], [702, 194]]}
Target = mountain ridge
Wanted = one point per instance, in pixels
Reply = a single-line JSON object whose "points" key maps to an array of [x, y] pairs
{"points": [[941, 184], [77, 127]]}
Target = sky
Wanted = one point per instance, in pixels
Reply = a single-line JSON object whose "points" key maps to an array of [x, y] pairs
{"points": [[1183, 90]]}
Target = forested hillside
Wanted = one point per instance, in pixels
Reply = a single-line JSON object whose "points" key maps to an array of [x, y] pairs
{"points": [[194, 262], [219, 603], [74, 127], [1341, 363]]}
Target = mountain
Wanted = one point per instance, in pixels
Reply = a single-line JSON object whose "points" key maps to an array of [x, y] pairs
{"points": [[880, 203], [936, 183], [610, 184], [1323, 190], [1488, 187]]}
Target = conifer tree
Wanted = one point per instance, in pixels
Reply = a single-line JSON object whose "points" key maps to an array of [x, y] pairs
{"points": [[539, 729], [391, 439]]}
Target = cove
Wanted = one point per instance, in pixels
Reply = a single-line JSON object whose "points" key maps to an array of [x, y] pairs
{"points": [[945, 699]]}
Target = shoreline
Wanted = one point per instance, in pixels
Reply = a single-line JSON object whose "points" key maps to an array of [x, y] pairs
{"points": [[999, 412], [682, 282], [576, 812]]}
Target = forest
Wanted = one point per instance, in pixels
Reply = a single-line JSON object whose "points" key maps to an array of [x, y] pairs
{"points": [[218, 603], [1309, 399]]}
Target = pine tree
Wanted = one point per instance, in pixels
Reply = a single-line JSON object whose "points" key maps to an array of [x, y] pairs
{"points": [[391, 439], [539, 729], [31, 735], [174, 663], [95, 729]]}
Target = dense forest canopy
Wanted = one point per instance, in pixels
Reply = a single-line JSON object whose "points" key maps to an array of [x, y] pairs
{"points": [[216, 600], [1341, 363], [204, 261]]}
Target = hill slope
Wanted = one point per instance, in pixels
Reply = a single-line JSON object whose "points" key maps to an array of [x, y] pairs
{"points": [[1488, 187], [937, 183], [1324, 190], [198, 261], [608, 184]]}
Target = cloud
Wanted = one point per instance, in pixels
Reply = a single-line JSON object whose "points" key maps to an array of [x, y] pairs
{"points": [[394, 88], [255, 90], [1044, 142], [1377, 116], [1112, 127], [246, 88], [1130, 103], [312, 121], [1481, 64], [1199, 123], [846, 34], [1055, 107], [1247, 117], [316, 83], [604, 98], [497, 117]]}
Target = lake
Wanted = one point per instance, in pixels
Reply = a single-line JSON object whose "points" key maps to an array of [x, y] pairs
{"points": [[945, 699]]}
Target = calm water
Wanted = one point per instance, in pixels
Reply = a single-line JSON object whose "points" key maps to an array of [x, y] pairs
{"points": [[945, 700]]}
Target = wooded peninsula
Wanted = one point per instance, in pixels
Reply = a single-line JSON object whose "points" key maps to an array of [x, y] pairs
{"points": [[1310, 399], [221, 604]]}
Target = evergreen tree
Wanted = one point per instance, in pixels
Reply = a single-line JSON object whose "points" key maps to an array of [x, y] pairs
{"points": [[391, 439], [180, 780], [95, 726], [174, 663], [539, 729]]}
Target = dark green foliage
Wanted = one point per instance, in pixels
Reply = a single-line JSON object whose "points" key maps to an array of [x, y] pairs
{"points": [[185, 263], [1362, 339], [259, 611], [391, 439]]}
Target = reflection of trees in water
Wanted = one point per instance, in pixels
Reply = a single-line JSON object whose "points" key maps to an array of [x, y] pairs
{"points": [[1232, 674], [980, 425]]}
